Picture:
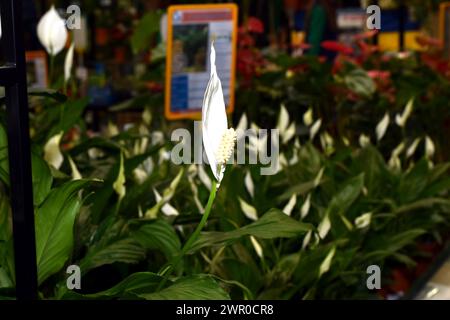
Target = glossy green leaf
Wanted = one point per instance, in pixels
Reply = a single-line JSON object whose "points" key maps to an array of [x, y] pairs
{"points": [[273, 224], [125, 250], [42, 179], [137, 283], [54, 221], [197, 287], [159, 235]]}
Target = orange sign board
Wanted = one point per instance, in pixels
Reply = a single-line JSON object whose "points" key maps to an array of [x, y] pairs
{"points": [[190, 31]]}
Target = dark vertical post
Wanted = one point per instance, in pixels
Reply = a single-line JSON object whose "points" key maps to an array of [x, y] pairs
{"points": [[402, 21], [13, 77], [377, 36]]}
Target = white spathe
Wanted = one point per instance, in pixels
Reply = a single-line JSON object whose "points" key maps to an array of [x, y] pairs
{"points": [[68, 63], [401, 120], [218, 140], [52, 153], [52, 32], [382, 127]]}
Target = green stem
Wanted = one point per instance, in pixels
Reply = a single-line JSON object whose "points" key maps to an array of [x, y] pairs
{"points": [[194, 236], [52, 65]]}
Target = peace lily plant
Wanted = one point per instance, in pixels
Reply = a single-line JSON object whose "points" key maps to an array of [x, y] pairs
{"points": [[218, 141]]}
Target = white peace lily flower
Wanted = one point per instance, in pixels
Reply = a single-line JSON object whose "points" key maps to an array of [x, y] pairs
{"points": [[308, 117], [324, 227], [249, 185], [306, 240], [257, 145], [283, 119], [52, 153], [140, 175], [297, 144], [147, 116], [402, 119], [363, 220], [119, 184], [283, 161], [429, 147], [413, 147], [327, 143], [248, 210], [315, 129], [157, 137], [305, 207], [243, 123], [294, 159], [76, 175], [164, 155], [346, 141], [364, 140], [326, 264], [382, 127], [52, 32], [111, 130], [167, 209], [290, 205], [95, 153], [68, 63], [289, 133], [168, 194], [395, 162], [218, 140], [318, 178], [257, 246], [398, 150]]}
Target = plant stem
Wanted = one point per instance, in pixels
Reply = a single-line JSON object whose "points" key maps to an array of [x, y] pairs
{"points": [[52, 65], [194, 236]]}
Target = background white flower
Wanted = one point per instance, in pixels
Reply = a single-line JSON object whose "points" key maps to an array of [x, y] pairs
{"points": [[52, 32]]}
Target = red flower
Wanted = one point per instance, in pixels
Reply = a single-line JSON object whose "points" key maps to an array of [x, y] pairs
{"points": [[255, 25], [154, 86], [337, 47], [365, 35], [379, 75], [426, 41]]}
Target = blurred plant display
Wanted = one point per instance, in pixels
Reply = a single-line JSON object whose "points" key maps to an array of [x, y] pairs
{"points": [[363, 180]]}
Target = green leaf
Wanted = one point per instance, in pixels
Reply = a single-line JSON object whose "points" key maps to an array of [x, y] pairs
{"points": [[70, 113], [52, 94], [348, 193], [5, 230], [197, 287], [371, 163], [386, 245], [125, 250], [54, 227], [159, 235], [422, 203], [146, 28], [4, 163], [136, 283], [359, 82], [42, 179], [273, 224]]}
